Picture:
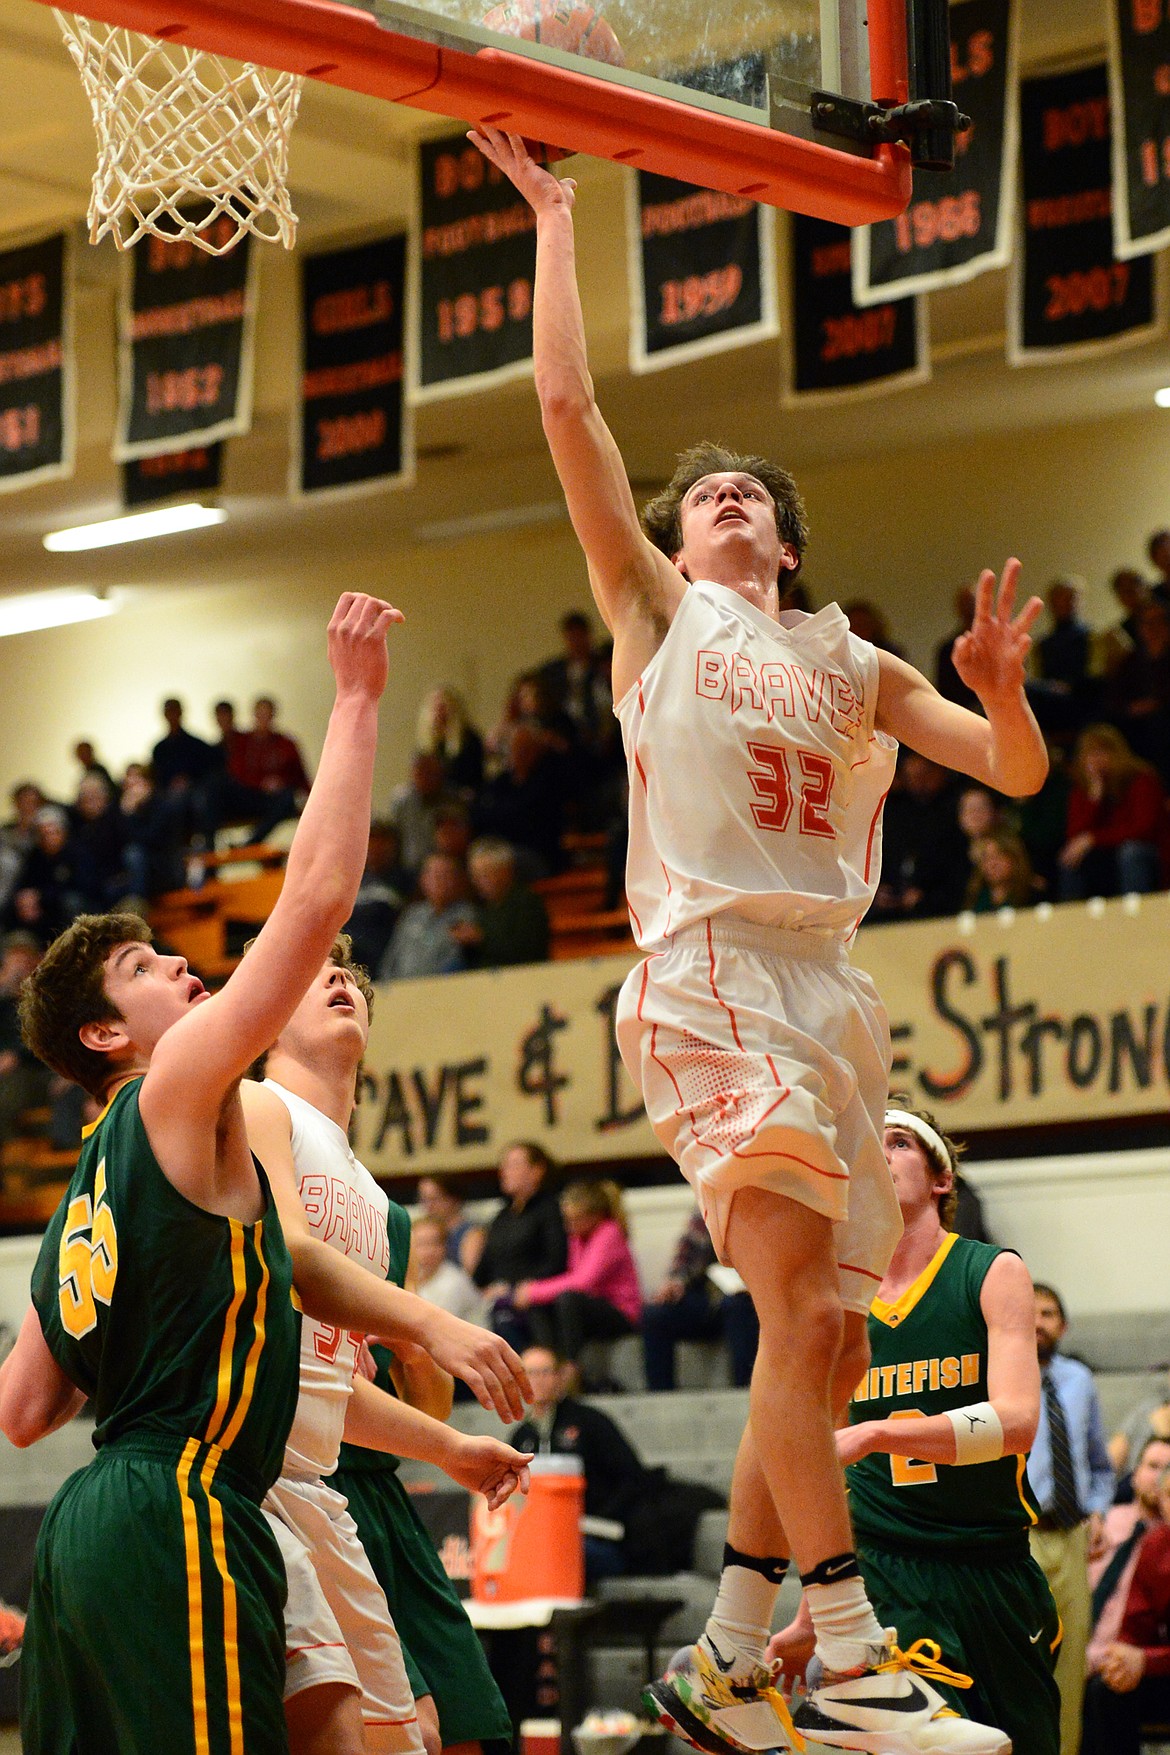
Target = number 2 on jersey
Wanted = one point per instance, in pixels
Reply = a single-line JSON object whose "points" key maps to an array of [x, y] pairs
{"points": [[905, 1471], [771, 780], [87, 1260]]}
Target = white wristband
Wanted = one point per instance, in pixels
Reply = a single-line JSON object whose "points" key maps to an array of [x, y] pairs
{"points": [[978, 1433]]}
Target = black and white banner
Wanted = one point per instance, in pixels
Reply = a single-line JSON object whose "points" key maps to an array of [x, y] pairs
{"points": [[351, 429], [957, 226], [185, 354], [475, 265], [1139, 87], [36, 363], [836, 349], [702, 271], [1067, 290], [170, 475]]}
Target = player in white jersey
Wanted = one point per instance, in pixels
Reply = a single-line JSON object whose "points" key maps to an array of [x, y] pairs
{"points": [[346, 1683], [760, 745]]}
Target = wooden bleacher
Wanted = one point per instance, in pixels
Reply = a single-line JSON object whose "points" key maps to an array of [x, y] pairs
{"points": [[207, 925]]}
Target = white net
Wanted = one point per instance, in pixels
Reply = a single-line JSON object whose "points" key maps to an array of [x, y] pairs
{"points": [[189, 146]]}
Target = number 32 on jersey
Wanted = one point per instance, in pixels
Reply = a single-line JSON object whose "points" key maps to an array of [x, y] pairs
{"points": [[772, 784], [87, 1260]]}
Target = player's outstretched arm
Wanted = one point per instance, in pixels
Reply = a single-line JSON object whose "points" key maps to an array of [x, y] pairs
{"points": [[631, 580], [35, 1395], [201, 1057], [335, 1290], [482, 1465], [1006, 749]]}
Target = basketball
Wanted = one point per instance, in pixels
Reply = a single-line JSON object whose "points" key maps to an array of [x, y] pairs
{"points": [[558, 24]]}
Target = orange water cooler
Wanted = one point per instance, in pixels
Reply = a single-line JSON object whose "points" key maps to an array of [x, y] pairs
{"points": [[532, 1546]]}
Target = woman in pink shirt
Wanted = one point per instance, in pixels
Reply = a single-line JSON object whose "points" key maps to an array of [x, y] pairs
{"points": [[597, 1297]]}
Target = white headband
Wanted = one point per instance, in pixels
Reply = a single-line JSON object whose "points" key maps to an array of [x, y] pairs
{"points": [[922, 1131]]}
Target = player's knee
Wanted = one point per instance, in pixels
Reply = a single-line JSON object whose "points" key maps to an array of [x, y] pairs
{"points": [[805, 1332], [852, 1362]]}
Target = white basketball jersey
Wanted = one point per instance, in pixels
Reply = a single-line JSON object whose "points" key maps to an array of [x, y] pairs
{"points": [[756, 776], [347, 1210]]}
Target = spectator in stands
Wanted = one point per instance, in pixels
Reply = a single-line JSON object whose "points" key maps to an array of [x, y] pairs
{"points": [[20, 831], [1060, 689], [924, 855], [1138, 700], [1070, 1474], [464, 1237], [1132, 1687], [656, 1516], [438, 1279], [511, 921], [425, 941], [524, 803], [1150, 1418], [264, 781], [1003, 875], [570, 680], [1158, 550], [444, 730], [597, 1297], [453, 832], [1043, 820], [979, 813], [229, 731], [152, 855], [380, 898], [688, 1307], [1111, 1574], [86, 757], [525, 1241], [48, 894], [1116, 820], [1118, 641], [97, 838], [179, 760], [24, 1082], [416, 803], [946, 677], [868, 622]]}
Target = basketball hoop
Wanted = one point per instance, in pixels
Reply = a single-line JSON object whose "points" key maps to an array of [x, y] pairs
{"points": [[177, 127]]}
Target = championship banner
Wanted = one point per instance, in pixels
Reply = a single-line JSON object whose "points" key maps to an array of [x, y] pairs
{"points": [[1139, 90], [172, 474], [185, 354], [835, 349], [1053, 1015], [958, 226], [351, 431], [1067, 291], [475, 264], [702, 271], [36, 364]]}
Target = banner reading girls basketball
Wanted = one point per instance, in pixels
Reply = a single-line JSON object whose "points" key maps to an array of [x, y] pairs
{"points": [[36, 364], [702, 272], [185, 355], [351, 430], [1068, 291], [958, 226], [1139, 89], [835, 348], [475, 263]]}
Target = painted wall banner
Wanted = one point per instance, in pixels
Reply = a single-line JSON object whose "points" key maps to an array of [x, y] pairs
{"points": [[170, 474], [351, 429], [836, 349], [1067, 290], [957, 226], [36, 363], [702, 271], [1139, 89], [475, 263], [1054, 1015], [185, 354]]}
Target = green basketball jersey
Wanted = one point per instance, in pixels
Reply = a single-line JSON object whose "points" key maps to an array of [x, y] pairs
{"points": [[356, 1456], [178, 1323], [929, 1354]]}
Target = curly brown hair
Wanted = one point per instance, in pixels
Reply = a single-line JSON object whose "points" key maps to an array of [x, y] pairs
{"points": [[949, 1203], [341, 956], [66, 991], [662, 516]]}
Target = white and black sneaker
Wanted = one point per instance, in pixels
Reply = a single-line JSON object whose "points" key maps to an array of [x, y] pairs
{"points": [[891, 1708], [704, 1701]]}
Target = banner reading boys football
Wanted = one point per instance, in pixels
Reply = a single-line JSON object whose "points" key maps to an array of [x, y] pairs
{"points": [[351, 430], [1068, 292], [185, 355], [1139, 88], [835, 349], [475, 263], [36, 364], [702, 271], [958, 226]]}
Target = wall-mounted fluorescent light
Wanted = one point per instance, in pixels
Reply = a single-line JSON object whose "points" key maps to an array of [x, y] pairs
{"points": [[1162, 397], [50, 609], [135, 527]]}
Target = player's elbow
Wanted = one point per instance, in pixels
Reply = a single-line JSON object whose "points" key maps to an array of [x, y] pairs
{"points": [[564, 404], [21, 1420], [1019, 1421]]}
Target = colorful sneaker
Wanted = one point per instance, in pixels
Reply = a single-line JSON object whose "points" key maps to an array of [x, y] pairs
{"points": [[716, 1711], [11, 1634], [890, 1707]]}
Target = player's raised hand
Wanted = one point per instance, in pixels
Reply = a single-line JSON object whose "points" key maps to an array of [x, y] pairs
{"points": [[357, 643], [991, 655], [484, 1362], [490, 1467], [508, 153]]}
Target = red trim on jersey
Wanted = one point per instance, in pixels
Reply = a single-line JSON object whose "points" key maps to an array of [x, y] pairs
{"points": [[682, 1107], [847, 1267], [872, 831], [637, 757], [412, 1720], [293, 1651], [718, 995]]}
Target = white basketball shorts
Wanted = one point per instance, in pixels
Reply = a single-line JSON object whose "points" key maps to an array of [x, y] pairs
{"points": [[763, 1059], [337, 1624]]}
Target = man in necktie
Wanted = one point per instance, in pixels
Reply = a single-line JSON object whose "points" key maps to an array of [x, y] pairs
{"points": [[1070, 1474]]}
